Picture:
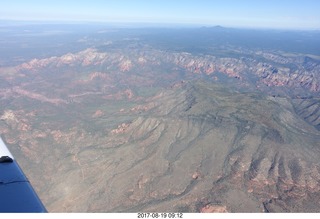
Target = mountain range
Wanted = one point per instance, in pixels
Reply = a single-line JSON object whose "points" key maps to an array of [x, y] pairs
{"points": [[127, 126]]}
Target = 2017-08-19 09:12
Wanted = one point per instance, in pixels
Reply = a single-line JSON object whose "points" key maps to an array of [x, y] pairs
{"points": [[160, 215]]}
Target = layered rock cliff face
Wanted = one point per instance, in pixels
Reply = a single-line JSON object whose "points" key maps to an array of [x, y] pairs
{"points": [[138, 129], [272, 70]]}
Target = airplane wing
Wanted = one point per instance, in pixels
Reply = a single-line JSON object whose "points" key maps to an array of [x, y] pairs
{"points": [[16, 192]]}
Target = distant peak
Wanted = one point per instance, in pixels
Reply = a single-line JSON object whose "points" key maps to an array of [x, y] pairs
{"points": [[214, 27]]}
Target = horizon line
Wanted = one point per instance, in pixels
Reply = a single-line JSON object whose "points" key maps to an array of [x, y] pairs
{"points": [[152, 24]]}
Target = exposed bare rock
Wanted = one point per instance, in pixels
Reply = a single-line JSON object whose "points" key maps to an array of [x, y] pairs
{"points": [[9, 115], [37, 96], [214, 209], [125, 65], [98, 114], [121, 128]]}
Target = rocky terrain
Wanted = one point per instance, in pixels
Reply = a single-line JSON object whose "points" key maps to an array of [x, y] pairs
{"points": [[271, 70], [195, 148], [135, 128]]}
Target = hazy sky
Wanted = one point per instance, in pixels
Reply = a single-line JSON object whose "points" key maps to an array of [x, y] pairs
{"points": [[292, 14]]}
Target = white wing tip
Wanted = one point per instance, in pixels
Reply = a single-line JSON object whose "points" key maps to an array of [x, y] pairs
{"points": [[4, 151]]}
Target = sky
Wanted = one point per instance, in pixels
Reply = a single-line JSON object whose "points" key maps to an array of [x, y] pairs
{"points": [[275, 14]]}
